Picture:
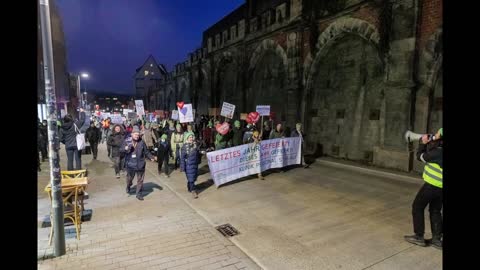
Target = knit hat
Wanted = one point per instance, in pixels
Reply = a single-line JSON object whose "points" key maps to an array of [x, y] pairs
{"points": [[135, 129], [236, 124], [164, 136], [441, 132], [188, 134]]}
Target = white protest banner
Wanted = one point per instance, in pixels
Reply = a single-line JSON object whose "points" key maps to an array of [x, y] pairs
{"points": [[175, 115], [263, 110], [116, 118], [186, 113], [227, 110], [139, 107], [235, 162]]}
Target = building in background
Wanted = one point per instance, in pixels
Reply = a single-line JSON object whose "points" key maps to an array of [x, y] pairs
{"points": [[148, 79], [356, 73]]}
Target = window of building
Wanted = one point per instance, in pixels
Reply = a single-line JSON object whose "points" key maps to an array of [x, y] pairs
{"points": [[146, 72]]}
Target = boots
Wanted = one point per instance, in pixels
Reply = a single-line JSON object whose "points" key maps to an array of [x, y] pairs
{"points": [[437, 242], [415, 239]]}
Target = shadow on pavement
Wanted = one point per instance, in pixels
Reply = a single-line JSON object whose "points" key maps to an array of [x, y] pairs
{"points": [[147, 188], [204, 185]]}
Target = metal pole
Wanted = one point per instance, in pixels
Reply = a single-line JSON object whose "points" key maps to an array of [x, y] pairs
{"points": [[53, 142]]}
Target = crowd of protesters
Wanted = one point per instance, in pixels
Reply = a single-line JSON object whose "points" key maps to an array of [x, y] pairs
{"points": [[166, 141]]}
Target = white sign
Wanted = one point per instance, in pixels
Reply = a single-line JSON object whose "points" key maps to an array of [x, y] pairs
{"points": [[186, 113], [126, 111], [116, 118], [175, 115], [263, 110], [104, 115], [139, 107], [235, 162], [227, 110]]}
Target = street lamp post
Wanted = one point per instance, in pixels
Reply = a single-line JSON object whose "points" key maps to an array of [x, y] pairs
{"points": [[84, 99], [53, 143]]}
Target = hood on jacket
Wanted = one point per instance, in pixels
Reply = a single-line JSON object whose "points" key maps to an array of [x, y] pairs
{"points": [[67, 125], [121, 129]]}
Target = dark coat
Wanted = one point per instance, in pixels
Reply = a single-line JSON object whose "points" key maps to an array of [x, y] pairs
{"points": [[141, 151], [237, 136], [189, 162], [68, 134], [115, 140], [164, 150], [93, 135]]}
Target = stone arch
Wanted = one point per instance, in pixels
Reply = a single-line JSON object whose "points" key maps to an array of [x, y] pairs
{"points": [[262, 48], [183, 90], [226, 79], [170, 98], [268, 79], [346, 118], [336, 30]]}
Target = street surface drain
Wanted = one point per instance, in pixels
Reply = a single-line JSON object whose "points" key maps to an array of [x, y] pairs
{"points": [[227, 230]]}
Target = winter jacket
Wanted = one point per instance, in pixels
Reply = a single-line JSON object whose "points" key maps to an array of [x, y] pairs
{"points": [[176, 141], [164, 150], [276, 135], [93, 135], [189, 159], [434, 154], [135, 156], [115, 140], [68, 134], [220, 141], [237, 136], [149, 137]]}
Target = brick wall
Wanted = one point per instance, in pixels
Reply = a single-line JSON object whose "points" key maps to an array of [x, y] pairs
{"points": [[432, 17]]}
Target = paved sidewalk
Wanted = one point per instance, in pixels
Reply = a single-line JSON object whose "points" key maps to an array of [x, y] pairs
{"points": [[330, 216], [161, 232]]}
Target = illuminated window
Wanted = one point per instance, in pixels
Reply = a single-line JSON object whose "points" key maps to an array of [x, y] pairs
{"points": [[151, 65], [146, 72]]}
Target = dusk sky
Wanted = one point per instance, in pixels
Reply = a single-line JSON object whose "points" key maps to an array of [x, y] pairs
{"points": [[109, 39]]}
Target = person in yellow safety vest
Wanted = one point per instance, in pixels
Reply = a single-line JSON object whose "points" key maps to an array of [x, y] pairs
{"points": [[430, 152]]}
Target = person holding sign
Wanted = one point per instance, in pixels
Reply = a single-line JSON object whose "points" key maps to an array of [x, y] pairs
{"points": [[190, 157], [255, 139]]}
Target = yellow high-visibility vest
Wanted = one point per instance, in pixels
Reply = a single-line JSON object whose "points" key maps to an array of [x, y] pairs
{"points": [[433, 174]]}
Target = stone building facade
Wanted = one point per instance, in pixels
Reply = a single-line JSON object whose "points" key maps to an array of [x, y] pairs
{"points": [[357, 73]]}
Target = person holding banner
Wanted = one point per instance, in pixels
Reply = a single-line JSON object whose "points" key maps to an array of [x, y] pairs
{"points": [[277, 133], [299, 133], [255, 139], [177, 142], [190, 158], [237, 134]]}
